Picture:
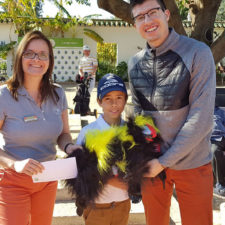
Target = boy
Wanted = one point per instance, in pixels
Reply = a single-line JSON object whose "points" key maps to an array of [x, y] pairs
{"points": [[113, 205]]}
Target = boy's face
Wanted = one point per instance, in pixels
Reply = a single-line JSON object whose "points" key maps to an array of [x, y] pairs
{"points": [[113, 105], [151, 22]]}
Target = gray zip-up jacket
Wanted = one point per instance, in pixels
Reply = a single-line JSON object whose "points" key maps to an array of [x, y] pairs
{"points": [[175, 84]]}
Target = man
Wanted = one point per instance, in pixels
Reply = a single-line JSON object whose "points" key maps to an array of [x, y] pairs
{"points": [[88, 65], [173, 80]]}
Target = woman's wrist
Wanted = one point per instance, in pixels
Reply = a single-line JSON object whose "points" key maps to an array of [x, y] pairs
{"points": [[66, 147]]}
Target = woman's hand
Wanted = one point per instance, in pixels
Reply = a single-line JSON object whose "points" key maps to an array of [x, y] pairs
{"points": [[71, 148], [28, 166]]}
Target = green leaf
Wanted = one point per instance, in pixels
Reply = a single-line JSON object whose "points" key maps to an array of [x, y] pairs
{"points": [[93, 35]]}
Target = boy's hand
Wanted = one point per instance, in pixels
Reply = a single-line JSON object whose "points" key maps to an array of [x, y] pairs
{"points": [[115, 181], [154, 168]]}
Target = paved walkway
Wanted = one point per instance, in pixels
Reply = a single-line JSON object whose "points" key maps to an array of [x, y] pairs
{"points": [[70, 89]]}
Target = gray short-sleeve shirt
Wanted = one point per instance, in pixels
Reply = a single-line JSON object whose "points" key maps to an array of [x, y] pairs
{"points": [[30, 131]]}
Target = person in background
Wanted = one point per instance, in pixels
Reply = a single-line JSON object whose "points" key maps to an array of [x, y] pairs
{"points": [[33, 118], [221, 68], [218, 150], [173, 80], [88, 65], [112, 206]]}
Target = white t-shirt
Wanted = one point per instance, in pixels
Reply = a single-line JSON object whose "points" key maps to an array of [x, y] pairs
{"points": [[109, 193], [87, 63]]}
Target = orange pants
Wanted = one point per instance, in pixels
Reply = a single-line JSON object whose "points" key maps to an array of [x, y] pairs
{"points": [[115, 213], [23, 202], [194, 188]]}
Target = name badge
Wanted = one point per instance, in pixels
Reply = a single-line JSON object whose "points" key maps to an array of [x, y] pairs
{"points": [[30, 118]]}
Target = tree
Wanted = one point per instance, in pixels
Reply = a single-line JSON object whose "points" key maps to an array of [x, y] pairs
{"points": [[26, 15], [221, 15], [39, 8], [202, 12], [62, 24], [23, 14]]}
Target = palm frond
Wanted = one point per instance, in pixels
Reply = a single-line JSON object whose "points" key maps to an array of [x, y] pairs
{"points": [[62, 8], [91, 16], [93, 35]]}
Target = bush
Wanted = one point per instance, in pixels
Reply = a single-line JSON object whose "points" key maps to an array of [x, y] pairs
{"points": [[121, 70], [104, 68], [220, 79], [3, 66], [107, 58]]}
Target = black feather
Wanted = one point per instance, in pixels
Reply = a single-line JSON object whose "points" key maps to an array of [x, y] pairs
{"points": [[89, 182]]}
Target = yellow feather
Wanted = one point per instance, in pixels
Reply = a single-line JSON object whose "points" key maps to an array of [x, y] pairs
{"points": [[122, 165], [143, 120], [97, 141], [124, 136]]}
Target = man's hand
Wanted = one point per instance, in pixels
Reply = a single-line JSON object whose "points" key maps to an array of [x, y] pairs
{"points": [[28, 166], [154, 168]]}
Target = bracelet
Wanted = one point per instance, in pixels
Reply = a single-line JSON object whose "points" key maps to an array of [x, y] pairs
{"points": [[67, 146]]}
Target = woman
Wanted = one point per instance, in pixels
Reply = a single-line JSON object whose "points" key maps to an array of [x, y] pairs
{"points": [[33, 118]]}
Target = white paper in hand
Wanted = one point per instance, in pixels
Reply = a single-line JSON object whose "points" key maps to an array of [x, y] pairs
{"points": [[60, 169]]}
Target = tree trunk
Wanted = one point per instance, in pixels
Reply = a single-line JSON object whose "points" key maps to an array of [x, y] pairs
{"points": [[119, 8], [175, 18], [202, 12], [218, 48]]}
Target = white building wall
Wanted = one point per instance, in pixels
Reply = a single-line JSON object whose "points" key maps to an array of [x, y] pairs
{"points": [[127, 39], [8, 34]]}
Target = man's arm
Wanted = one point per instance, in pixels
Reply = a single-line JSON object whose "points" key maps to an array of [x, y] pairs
{"points": [[199, 121], [95, 66], [135, 100], [81, 68], [220, 68], [94, 70], [81, 72]]}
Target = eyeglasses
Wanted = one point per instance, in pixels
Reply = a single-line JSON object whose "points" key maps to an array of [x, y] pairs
{"points": [[151, 14], [44, 56]]}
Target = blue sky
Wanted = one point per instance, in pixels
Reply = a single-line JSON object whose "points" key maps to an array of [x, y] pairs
{"points": [[75, 9]]}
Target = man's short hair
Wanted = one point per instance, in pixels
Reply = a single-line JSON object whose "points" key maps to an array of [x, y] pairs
{"points": [[133, 3]]}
